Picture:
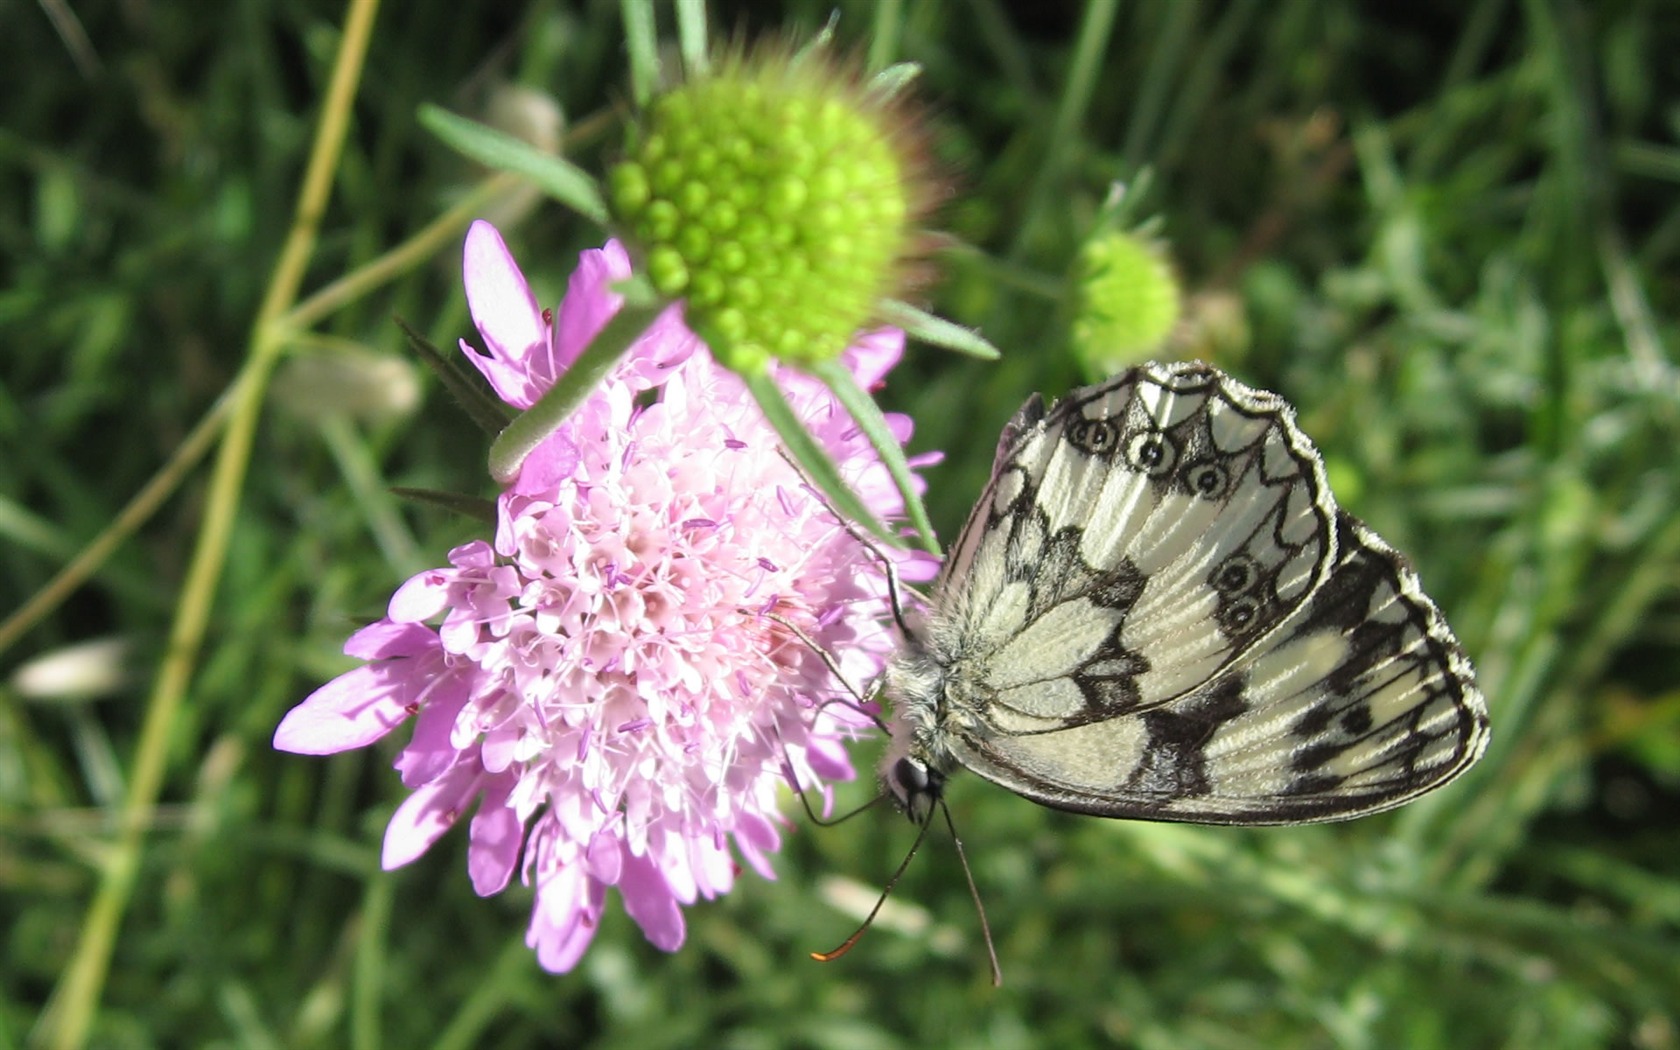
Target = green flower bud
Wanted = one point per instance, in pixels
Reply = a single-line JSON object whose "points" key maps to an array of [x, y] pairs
{"points": [[779, 198], [1128, 301]]}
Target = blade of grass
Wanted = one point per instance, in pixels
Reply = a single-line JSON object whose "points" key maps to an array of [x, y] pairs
{"points": [[69, 1015]]}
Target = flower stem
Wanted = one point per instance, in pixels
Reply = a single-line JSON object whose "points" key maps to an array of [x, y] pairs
{"points": [[867, 415], [542, 419]]}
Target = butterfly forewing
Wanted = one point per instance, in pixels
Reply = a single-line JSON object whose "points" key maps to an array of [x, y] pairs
{"points": [[1157, 611], [1131, 544]]}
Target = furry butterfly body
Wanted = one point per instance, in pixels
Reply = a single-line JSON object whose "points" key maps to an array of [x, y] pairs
{"points": [[1157, 611]]}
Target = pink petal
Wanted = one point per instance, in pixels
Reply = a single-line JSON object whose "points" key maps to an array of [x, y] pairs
{"points": [[899, 425], [494, 838], [757, 832], [714, 868], [425, 815], [507, 379], [502, 305], [353, 710], [383, 639], [548, 464], [430, 751], [828, 759], [665, 345], [605, 857], [649, 901], [421, 597], [673, 863], [589, 304], [566, 916], [873, 354]]}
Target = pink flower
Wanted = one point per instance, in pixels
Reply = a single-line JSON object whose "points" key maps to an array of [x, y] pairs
{"points": [[609, 679]]}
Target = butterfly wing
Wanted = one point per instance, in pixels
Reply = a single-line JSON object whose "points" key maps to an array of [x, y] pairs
{"points": [[1131, 542], [1157, 611], [1359, 701]]}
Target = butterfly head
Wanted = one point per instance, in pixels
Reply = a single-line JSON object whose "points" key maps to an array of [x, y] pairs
{"points": [[916, 788]]}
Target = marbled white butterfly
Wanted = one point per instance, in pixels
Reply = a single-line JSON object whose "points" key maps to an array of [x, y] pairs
{"points": [[1156, 610]]}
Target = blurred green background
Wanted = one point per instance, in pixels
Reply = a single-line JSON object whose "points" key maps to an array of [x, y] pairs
{"points": [[1449, 233]]}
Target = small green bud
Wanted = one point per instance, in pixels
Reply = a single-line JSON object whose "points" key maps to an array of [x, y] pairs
{"points": [[1128, 301]]}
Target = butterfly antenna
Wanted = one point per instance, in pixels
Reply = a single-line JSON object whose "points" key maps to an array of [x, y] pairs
{"points": [[974, 892], [869, 919], [842, 818]]}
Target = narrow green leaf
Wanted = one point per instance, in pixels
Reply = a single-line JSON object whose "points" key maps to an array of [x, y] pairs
{"points": [[641, 40], [936, 331], [531, 427], [811, 457], [489, 413], [867, 415], [894, 80], [691, 37], [555, 176]]}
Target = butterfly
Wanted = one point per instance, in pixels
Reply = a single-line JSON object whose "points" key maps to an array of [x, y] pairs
{"points": [[1157, 611]]}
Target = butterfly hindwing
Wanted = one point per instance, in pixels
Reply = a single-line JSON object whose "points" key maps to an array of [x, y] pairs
{"points": [[1361, 700]]}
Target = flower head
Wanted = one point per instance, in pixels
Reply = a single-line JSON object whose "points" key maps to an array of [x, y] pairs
{"points": [[776, 196], [614, 678]]}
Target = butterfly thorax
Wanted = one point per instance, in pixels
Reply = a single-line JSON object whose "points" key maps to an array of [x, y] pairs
{"points": [[914, 769]]}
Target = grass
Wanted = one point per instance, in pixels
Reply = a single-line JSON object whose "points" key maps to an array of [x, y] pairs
{"points": [[1450, 236]]}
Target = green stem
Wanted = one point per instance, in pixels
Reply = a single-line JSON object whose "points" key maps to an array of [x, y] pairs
{"points": [[535, 424], [867, 414], [76, 999]]}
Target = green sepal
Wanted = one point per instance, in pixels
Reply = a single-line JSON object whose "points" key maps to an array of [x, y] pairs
{"points": [[489, 413], [935, 331], [867, 415], [475, 507]]}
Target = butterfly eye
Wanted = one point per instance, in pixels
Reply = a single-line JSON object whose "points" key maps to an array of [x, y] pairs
{"points": [[1094, 437], [1150, 452], [911, 777], [1207, 479]]}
